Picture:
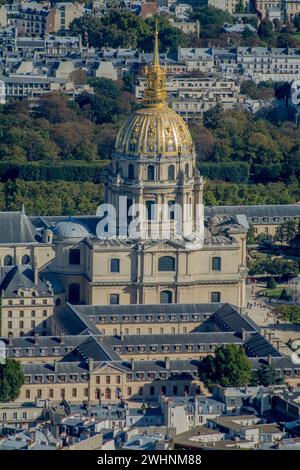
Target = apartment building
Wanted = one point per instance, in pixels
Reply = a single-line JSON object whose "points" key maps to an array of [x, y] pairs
{"points": [[34, 19], [192, 97], [27, 302]]}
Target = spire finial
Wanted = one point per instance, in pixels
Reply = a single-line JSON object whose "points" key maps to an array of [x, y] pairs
{"points": [[156, 52], [155, 91]]}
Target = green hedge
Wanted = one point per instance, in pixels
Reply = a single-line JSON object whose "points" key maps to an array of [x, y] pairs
{"points": [[237, 172], [233, 172], [69, 171]]}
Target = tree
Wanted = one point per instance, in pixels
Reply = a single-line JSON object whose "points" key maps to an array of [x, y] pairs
{"points": [[284, 295], [229, 368], [212, 116], [265, 30], [240, 8], [251, 235], [266, 375], [271, 283], [287, 231], [297, 22], [11, 380]]}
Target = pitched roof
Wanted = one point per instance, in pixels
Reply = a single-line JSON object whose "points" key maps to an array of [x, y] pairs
{"points": [[20, 277], [15, 227]]}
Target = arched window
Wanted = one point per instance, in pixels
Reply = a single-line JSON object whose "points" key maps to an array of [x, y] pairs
{"points": [[118, 393], [171, 172], [74, 293], [150, 173], [131, 171], [171, 210], [216, 263], [8, 260], [187, 170], [25, 259], [98, 394], [107, 395], [166, 263], [166, 297]]}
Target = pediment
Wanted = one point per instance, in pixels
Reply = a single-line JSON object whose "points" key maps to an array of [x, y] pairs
{"points": [[164, 245], [106, 368]]}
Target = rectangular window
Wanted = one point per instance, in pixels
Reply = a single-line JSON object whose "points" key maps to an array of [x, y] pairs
{"points": [[115, 265], [215, 297], [74, 256], [216, 263], [74, 392], [114, 299], [150, 210]]}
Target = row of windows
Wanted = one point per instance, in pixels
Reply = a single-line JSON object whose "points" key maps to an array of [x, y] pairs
{"points": [[166, 297], [107, 394], [165, 263], [20, 314], [150, 331], [151, 172], [22, 302]]}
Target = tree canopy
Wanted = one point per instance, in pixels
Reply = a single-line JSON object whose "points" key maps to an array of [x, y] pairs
{"points": [[11, 380], [230, 367], [125, 29]]}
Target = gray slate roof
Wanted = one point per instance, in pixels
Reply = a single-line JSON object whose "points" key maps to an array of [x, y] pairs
{"points": [[15, 227], [21, 277]]}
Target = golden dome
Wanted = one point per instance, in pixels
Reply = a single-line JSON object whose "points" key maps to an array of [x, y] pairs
{"points": [[155, 129]]}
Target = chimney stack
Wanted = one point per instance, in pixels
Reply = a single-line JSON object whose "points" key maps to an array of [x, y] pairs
{"points": [[132, 363], [55, 367], [243, 334], [91, 364], [167, 363], [270, 360], [36, 338]]}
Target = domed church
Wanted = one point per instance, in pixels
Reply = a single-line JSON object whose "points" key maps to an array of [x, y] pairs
{"points": [[153, 166]]}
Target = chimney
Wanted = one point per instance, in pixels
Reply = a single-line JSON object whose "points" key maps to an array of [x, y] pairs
{"points": [[61, 338], [167, 363], [36, 338], [270, 360], [91, 364], [35, 272], [55, 367], [132, 363], [243, 334]]}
